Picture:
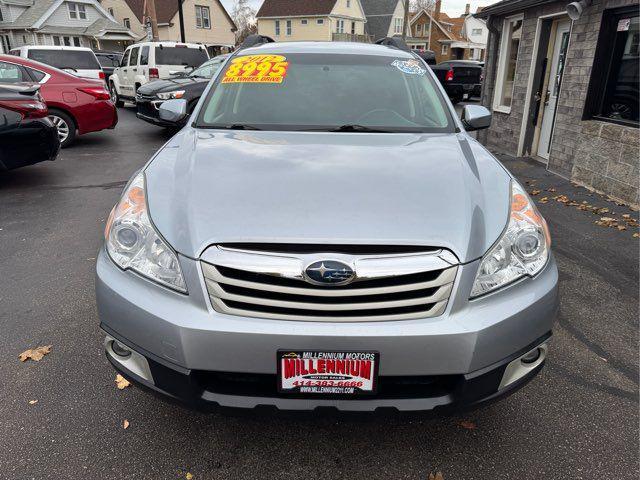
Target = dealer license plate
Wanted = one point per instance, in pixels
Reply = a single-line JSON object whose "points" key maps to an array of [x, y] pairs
{"points": [[327, 372]]}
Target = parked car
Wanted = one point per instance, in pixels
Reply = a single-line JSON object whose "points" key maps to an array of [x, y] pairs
{"points": [[428, 56], [460, 78], [189, 87], [108, 61], [325, 233], [148, 61], [79, 61], [76, 105], [27, 136]]}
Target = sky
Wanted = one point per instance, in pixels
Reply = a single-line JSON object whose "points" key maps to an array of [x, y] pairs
{"points": [[453, 8]]}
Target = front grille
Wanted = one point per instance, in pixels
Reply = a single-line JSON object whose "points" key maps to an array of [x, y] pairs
{"points": [[145, 107], [271, 285]]}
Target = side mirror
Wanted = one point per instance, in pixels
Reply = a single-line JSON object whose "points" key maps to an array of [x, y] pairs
{"points": [[173, 110], [476, 117]]}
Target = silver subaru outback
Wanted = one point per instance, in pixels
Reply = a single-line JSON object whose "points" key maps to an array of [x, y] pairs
{"points": [[324, 232]]}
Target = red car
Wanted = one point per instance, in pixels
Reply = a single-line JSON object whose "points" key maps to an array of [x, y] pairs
{"points": [[76, 105]]}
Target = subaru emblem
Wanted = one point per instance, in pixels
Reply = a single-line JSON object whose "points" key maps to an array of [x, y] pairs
{"points": [[329, 272]]}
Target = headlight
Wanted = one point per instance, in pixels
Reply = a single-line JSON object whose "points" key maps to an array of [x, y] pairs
{"points": [[523, 248], [132, 241], [170, 95]]}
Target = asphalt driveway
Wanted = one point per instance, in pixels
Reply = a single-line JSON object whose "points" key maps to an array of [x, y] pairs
{"points": [[577, 419]]}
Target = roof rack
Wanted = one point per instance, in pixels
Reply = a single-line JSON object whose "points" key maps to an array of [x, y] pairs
{"points": [[396, 42], [253, 40]]}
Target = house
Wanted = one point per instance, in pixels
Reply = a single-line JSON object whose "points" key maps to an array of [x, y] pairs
{"points": [[385, 18], [565, 90], [323, 20], [205, 21], [450, 38], [81, 23]]}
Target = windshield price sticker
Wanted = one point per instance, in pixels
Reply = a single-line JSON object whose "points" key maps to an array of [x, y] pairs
{"points": [[327, 373], [411, 67], [257, 69]]}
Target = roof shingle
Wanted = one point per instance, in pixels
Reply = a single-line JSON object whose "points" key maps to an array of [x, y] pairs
{"points": [[288, 8]]}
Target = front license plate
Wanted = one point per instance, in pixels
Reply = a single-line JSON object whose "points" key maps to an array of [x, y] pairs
{"points": [[327, 372]]}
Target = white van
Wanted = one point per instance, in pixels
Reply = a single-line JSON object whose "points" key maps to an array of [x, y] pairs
{"points": [[147, 61], [79, 61]]}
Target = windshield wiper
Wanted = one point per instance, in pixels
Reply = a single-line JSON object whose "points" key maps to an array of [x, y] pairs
{"points": [[236, 126], [358, 128]]}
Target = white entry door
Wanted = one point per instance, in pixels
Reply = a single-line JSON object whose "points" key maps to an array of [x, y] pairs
{"points": [[558, 61]]}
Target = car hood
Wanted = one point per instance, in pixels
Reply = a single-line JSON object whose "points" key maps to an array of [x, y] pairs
{"points": [[168, 85], [439, 190]]}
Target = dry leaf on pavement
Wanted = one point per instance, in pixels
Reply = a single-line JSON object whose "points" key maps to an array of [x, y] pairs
{"points": [[188, 476], [33, 402], [544, 199], [468, 425], [436, 476], [125, 424], [35, 353], [121, 382], [636, 235], [535, 192]]}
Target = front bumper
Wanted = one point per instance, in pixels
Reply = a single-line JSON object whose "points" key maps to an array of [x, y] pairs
{"points": [[147, 110], [202, 357]]}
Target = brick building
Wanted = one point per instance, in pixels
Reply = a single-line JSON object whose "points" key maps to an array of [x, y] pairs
{"points": [[565, 91], [450, 38]]}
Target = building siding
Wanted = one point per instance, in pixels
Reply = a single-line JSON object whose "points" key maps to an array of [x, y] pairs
{"points": [[60, 17], [219, 33], [600, 155]]}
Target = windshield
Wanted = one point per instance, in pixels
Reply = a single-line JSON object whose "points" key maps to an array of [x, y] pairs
{"points": [[208, 68], [191, 57], [74, 59], [109, 60], [325, 92]]}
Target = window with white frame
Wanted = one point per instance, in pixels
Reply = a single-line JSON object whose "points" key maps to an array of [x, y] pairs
{"points": [[339, 26], [505, 79], [320, 21], [418, 29], [110, 10], [289, 29], [277, 25], [77, 11], [397, 25], [203, 17], [476, 31], [126, 22], [348, 3], [304, 21], [445, 49]]}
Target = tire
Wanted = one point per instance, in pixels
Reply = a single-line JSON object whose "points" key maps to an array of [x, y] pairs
{"points": [[456, 99], [115, 98], [65, 125]]}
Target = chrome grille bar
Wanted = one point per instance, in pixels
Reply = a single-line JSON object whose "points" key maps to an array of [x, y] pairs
{"points": [[271, 285]]}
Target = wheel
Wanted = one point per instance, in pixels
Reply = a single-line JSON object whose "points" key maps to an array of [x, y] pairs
{"points": [[115, 98], [65, 125]]}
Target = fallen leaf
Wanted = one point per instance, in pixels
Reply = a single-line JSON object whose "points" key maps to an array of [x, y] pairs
{"points": [[125, 424], [33, 402], [551, 189], [468, 425], [626, 215], [35, 353], [544, 199], [622, 228], [121, 382], [188, 476], [535, 192], [562, 199], [437, 476], [636, 235]]}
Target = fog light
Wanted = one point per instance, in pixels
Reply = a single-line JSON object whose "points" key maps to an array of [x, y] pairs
{"points": [[120, 349], [532, 356]]}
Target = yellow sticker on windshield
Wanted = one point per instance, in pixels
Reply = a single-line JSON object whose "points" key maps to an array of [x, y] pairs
{"points": [[257, 69]]}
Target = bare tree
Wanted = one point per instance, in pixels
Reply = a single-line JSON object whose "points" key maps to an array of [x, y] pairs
{"points": [[245, 19], [417, 5]]}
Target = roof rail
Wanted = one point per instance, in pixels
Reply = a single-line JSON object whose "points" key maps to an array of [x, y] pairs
{"points": [[396, 42], [253, 40]]}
